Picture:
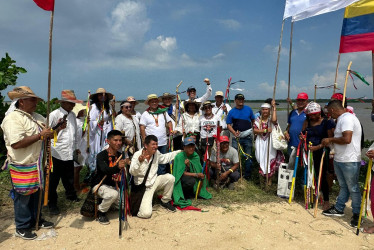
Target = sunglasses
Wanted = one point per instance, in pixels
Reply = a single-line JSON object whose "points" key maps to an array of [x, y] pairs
{"points": [[127, 107], [209, 107]]}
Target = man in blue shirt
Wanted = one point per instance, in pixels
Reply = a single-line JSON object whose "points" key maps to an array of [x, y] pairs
{"points": [[239, 123], [295, 124]]}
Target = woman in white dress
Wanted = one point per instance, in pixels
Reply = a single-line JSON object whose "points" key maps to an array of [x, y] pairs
{"points": [[262, 128], [129, 125], [100, 124]]}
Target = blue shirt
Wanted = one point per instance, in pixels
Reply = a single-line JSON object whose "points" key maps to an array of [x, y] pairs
{"points": [[296, 121], [240, 119]]}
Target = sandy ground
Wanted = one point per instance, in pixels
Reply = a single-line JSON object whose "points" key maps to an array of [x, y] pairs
{"points": [[255, 226]]}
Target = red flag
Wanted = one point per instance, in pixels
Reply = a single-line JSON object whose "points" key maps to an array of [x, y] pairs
{"points": [[48, 5]]}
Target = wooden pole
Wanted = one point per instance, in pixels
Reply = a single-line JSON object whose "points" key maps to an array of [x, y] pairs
{"points": [[315, 92], [319, 182], [336, 74], [364, 194], [372, 65], [289, 69], [47, 125], [274, 89], [346, 80]]}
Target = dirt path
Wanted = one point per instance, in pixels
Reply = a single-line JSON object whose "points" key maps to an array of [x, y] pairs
{"points": [[257, 226]]}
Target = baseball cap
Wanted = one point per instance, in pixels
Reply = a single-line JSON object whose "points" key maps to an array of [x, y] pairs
{"points": [[191, 88], [224, 138], [239, 96], [302, 96], [188, 141]]}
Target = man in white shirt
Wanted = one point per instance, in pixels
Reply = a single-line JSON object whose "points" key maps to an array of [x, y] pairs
{"points": [[191, 92], [145, 163], [62, 149], [347, 159], [156, 121], [220, 110]]}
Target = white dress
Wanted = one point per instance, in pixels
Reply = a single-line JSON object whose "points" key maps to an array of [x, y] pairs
{"points": [[261, 145], [97, 134]]}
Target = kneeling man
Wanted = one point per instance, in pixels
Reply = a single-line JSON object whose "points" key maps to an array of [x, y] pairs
{"points": [[143, 168]]}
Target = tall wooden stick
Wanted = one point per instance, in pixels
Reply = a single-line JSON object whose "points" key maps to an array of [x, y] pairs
{"points": [[346, 80], [364, 194], [46, 187], [336, 74], [289, 69], [372, 65], [319, 182], [275, 87]]}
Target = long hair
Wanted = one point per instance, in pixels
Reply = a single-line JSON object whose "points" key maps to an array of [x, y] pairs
{"points": [[96, 101]]}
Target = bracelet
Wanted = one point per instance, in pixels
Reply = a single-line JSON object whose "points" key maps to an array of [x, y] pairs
{"points": [[265, 131], [197, 175], [231, 170]]}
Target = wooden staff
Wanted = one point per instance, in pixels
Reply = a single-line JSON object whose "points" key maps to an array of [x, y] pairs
{"points": [[177, 103], [319, 182], [88, 122], [364, 194], [336, 74], [346, 80], [46, 187], [289, 70]]}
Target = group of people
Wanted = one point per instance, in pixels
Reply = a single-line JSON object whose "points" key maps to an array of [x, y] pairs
{"points": [[178, 149]]}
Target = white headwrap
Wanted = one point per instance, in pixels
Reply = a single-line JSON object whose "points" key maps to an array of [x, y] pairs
{"points": [[312, 108], [265, 105], [12, 106]]}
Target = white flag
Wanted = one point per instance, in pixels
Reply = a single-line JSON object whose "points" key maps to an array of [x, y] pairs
{"points": [[301, 9]]}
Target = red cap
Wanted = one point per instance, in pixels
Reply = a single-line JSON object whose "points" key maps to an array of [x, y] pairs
{"points": [[303, 96], [337, 96], [224, 139]]}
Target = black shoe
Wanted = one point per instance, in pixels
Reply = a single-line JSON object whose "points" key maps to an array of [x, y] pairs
{"points": [[44, 224], [101, 217], [332, 211], [354, 220], [53, 210], [168, 206], [25, 234]]}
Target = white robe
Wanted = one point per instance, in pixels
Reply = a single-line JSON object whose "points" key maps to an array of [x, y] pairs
{"points": [[261, 145], [130, 127], [97, 135]]}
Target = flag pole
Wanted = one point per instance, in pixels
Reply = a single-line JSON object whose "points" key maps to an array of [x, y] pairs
{"points": [[275, 87], [47, 125], [289, 69], [315, 92], [345, 82], [372, 65], [336, 74]]}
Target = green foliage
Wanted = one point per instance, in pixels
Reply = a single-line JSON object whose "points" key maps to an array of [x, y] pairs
{"points": [[9, 72], [41, 107], [367, 143]]}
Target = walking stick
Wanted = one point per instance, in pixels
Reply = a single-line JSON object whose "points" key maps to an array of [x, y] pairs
{"points": [[364, 194], [345, 82], [294, 172], [218, 152], [319, 182], [204, 168]]}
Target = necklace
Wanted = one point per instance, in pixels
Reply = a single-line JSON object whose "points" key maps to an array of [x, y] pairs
{"points": [[156, 119]]}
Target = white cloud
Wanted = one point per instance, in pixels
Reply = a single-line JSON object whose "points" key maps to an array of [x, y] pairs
{"points": [[273, 50], [230, 24], [218, 56]]}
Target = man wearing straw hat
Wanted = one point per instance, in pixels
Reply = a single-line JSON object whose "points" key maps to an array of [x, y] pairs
{"points": [[156, 121], [24, 133], [63, 147]]}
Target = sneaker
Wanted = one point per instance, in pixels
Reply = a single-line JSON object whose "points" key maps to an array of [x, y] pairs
{"points": [[25, 234], [102, 218], [168, 206], [354, 220], [44, 224], [332, 211], [53, 210]]}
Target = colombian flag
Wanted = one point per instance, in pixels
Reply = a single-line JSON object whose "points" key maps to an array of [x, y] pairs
{"points": [[358, 27]]}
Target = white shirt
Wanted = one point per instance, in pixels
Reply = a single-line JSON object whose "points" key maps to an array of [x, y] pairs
{"points": [[348, 152], [149, 121], [208, 126], [204, 98], [188, 123], [66, 139], [130, 127], [139, 169], [218, 112]]}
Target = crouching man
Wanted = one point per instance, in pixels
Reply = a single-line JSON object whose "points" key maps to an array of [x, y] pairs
{"points": [[108, 166], [143, 168]]}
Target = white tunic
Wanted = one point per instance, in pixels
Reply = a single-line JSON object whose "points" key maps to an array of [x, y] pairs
{"points": [[130, 127]]}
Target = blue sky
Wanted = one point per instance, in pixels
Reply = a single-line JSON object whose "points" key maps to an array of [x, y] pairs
{"points": [[143, 47]]}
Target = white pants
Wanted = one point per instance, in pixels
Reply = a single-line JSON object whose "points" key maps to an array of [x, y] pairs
{"points": [[165, 182], [109, 195]]}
